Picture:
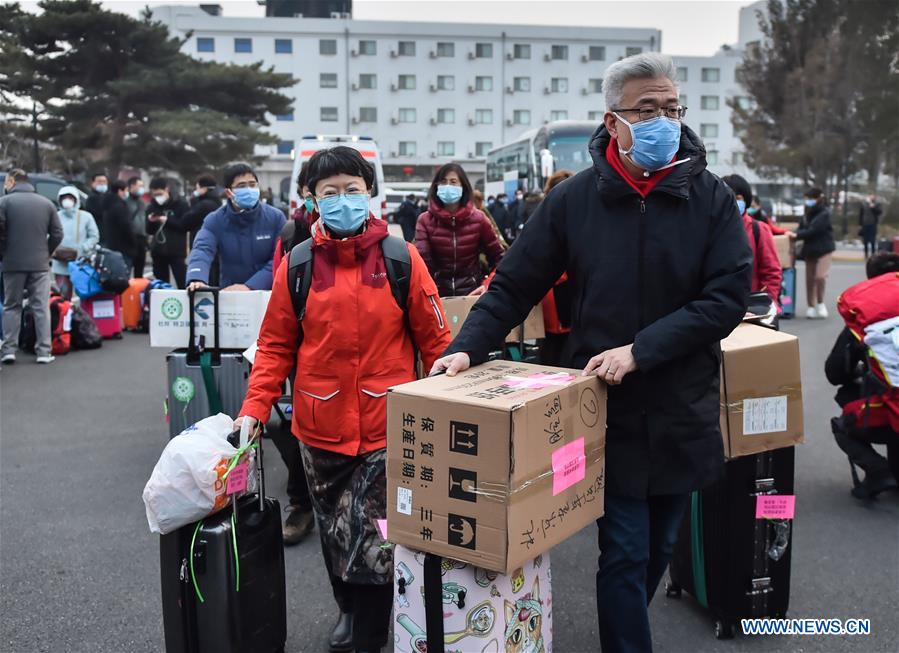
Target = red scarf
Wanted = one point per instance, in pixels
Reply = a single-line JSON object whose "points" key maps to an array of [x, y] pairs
{"points": [[642, 186]]}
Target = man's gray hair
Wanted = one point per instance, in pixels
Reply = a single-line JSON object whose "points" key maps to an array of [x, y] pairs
{"points": [[647, 65]]}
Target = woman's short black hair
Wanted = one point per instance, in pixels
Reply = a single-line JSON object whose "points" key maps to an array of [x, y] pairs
{"points": [[882, 263], [303, 177], [339, 160], [739, 186], [441, 175], [236, 170]]}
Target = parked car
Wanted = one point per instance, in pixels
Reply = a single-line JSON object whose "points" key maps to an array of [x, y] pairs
{"points": [[48, 185]]}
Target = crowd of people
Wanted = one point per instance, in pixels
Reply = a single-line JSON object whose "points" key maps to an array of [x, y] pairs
{"points": [[643, 262]]}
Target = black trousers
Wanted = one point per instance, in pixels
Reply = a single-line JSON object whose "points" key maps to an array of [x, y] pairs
{"points": [[140, 262], [289, 448], [162, 264], [856, 443]]}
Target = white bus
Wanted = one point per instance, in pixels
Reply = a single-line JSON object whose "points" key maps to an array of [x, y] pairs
{"points": [[527, 162], [367, 147]]}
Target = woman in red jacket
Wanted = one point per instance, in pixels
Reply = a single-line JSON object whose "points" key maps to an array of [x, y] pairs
{"points": [[767, 274], [356, 343], [452, 234]]}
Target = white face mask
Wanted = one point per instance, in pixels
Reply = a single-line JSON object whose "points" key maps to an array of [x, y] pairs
{"points": [[160, 199], [68, 203]]}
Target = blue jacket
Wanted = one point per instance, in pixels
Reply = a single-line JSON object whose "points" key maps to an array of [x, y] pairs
{"points": [[244, 243]]}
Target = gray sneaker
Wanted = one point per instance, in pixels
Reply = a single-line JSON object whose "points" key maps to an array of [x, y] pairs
{"points": [[45, 360], [8, 359]]}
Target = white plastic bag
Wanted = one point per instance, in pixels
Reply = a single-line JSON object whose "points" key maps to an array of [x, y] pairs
{"points": [[186, 484]]}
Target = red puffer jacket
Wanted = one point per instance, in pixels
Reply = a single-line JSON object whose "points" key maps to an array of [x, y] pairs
{"points": [[451, 245]]}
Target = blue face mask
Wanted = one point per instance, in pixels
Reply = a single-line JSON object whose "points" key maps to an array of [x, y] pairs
{"points": [[343, 214], [653, 142], [810, 202], [246, 198], [310, 205], [741, 206], [101, 188], [449, 194]]}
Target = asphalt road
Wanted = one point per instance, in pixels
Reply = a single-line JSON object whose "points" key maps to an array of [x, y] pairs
{"points": [[79, 570]]}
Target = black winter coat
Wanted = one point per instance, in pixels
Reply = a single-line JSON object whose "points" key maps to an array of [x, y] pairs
{"points": [[170, 239], [117, 232], [670, 274], [816, 233], [199, 209]]}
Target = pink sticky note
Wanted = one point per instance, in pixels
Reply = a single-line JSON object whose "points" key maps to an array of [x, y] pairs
{"points": [[382, 527], [569, 465], [775, 506], [237, 479]]}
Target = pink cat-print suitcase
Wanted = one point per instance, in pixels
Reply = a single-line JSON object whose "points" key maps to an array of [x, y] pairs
{"points": [[445, 606]]}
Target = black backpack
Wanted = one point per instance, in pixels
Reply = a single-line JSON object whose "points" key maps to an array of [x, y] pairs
{"points": [[396, 260]]}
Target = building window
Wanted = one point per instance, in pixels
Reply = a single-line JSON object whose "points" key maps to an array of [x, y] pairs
{"points": [[710, 102], [368, 48], [558, 115], [446, 116], [327, 46], [594, 85], [711, 75], [283, 46], [559, 85], [407, 148], [521, 117], [446, 148], [327, 80], [328, 114], [483, 50], [406, 48], [368, 114], [744, 102], [708, 130], [285, 117], [368, 80], [682, 75], [483, 116], [205, 44], [521, 51], [594, 115], [406, 82], [711, 157], [522, 84], [630, 52], [559, 53], [407, 115], [596, 53], [483, 83], [738, 158], [682, 99], [285, 147], [481, 148], [446, 49], [243, 45], [446, 83]]}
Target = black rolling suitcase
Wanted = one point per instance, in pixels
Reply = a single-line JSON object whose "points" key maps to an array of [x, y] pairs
{"points": [[735, 565], [223, 588]]}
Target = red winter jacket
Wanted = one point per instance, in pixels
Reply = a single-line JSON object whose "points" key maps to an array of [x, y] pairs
{"points": [[451, 245], [766, 271]]}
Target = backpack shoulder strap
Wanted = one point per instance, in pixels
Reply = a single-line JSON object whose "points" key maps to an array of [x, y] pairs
{"points": [[299, 275], [399, 268], [756, 234]]}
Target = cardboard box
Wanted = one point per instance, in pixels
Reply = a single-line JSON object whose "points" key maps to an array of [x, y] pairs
{"points": [[240, 314], [458, 308], [789, 226], [496, 465], [761, 391], [784, 247]]}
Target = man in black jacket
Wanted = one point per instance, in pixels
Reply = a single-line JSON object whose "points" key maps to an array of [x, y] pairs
{"points": [[659, 265], [117, 233], [165, 222], [407, 216], [96, 199], [205, 200]]}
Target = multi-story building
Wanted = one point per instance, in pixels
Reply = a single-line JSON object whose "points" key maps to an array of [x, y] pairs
{"points": [[427, 92]]}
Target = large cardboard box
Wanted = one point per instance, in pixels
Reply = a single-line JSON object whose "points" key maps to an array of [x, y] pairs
{"points": [[761, 391], [496, 465], [784, 247], [240, 314], [458, 308]]}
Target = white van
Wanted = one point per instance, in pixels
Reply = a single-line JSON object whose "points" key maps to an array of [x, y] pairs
{"points": [[309, 145]]}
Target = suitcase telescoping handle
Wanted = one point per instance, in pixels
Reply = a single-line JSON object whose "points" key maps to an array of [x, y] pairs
{"points": [[195, 348]]}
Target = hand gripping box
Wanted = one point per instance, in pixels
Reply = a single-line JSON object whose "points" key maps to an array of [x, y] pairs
{"points": [[496, 465], [482, 611], [761, 391]]}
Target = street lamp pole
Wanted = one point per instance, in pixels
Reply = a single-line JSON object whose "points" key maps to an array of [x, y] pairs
{"points": [[37, 152]]}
